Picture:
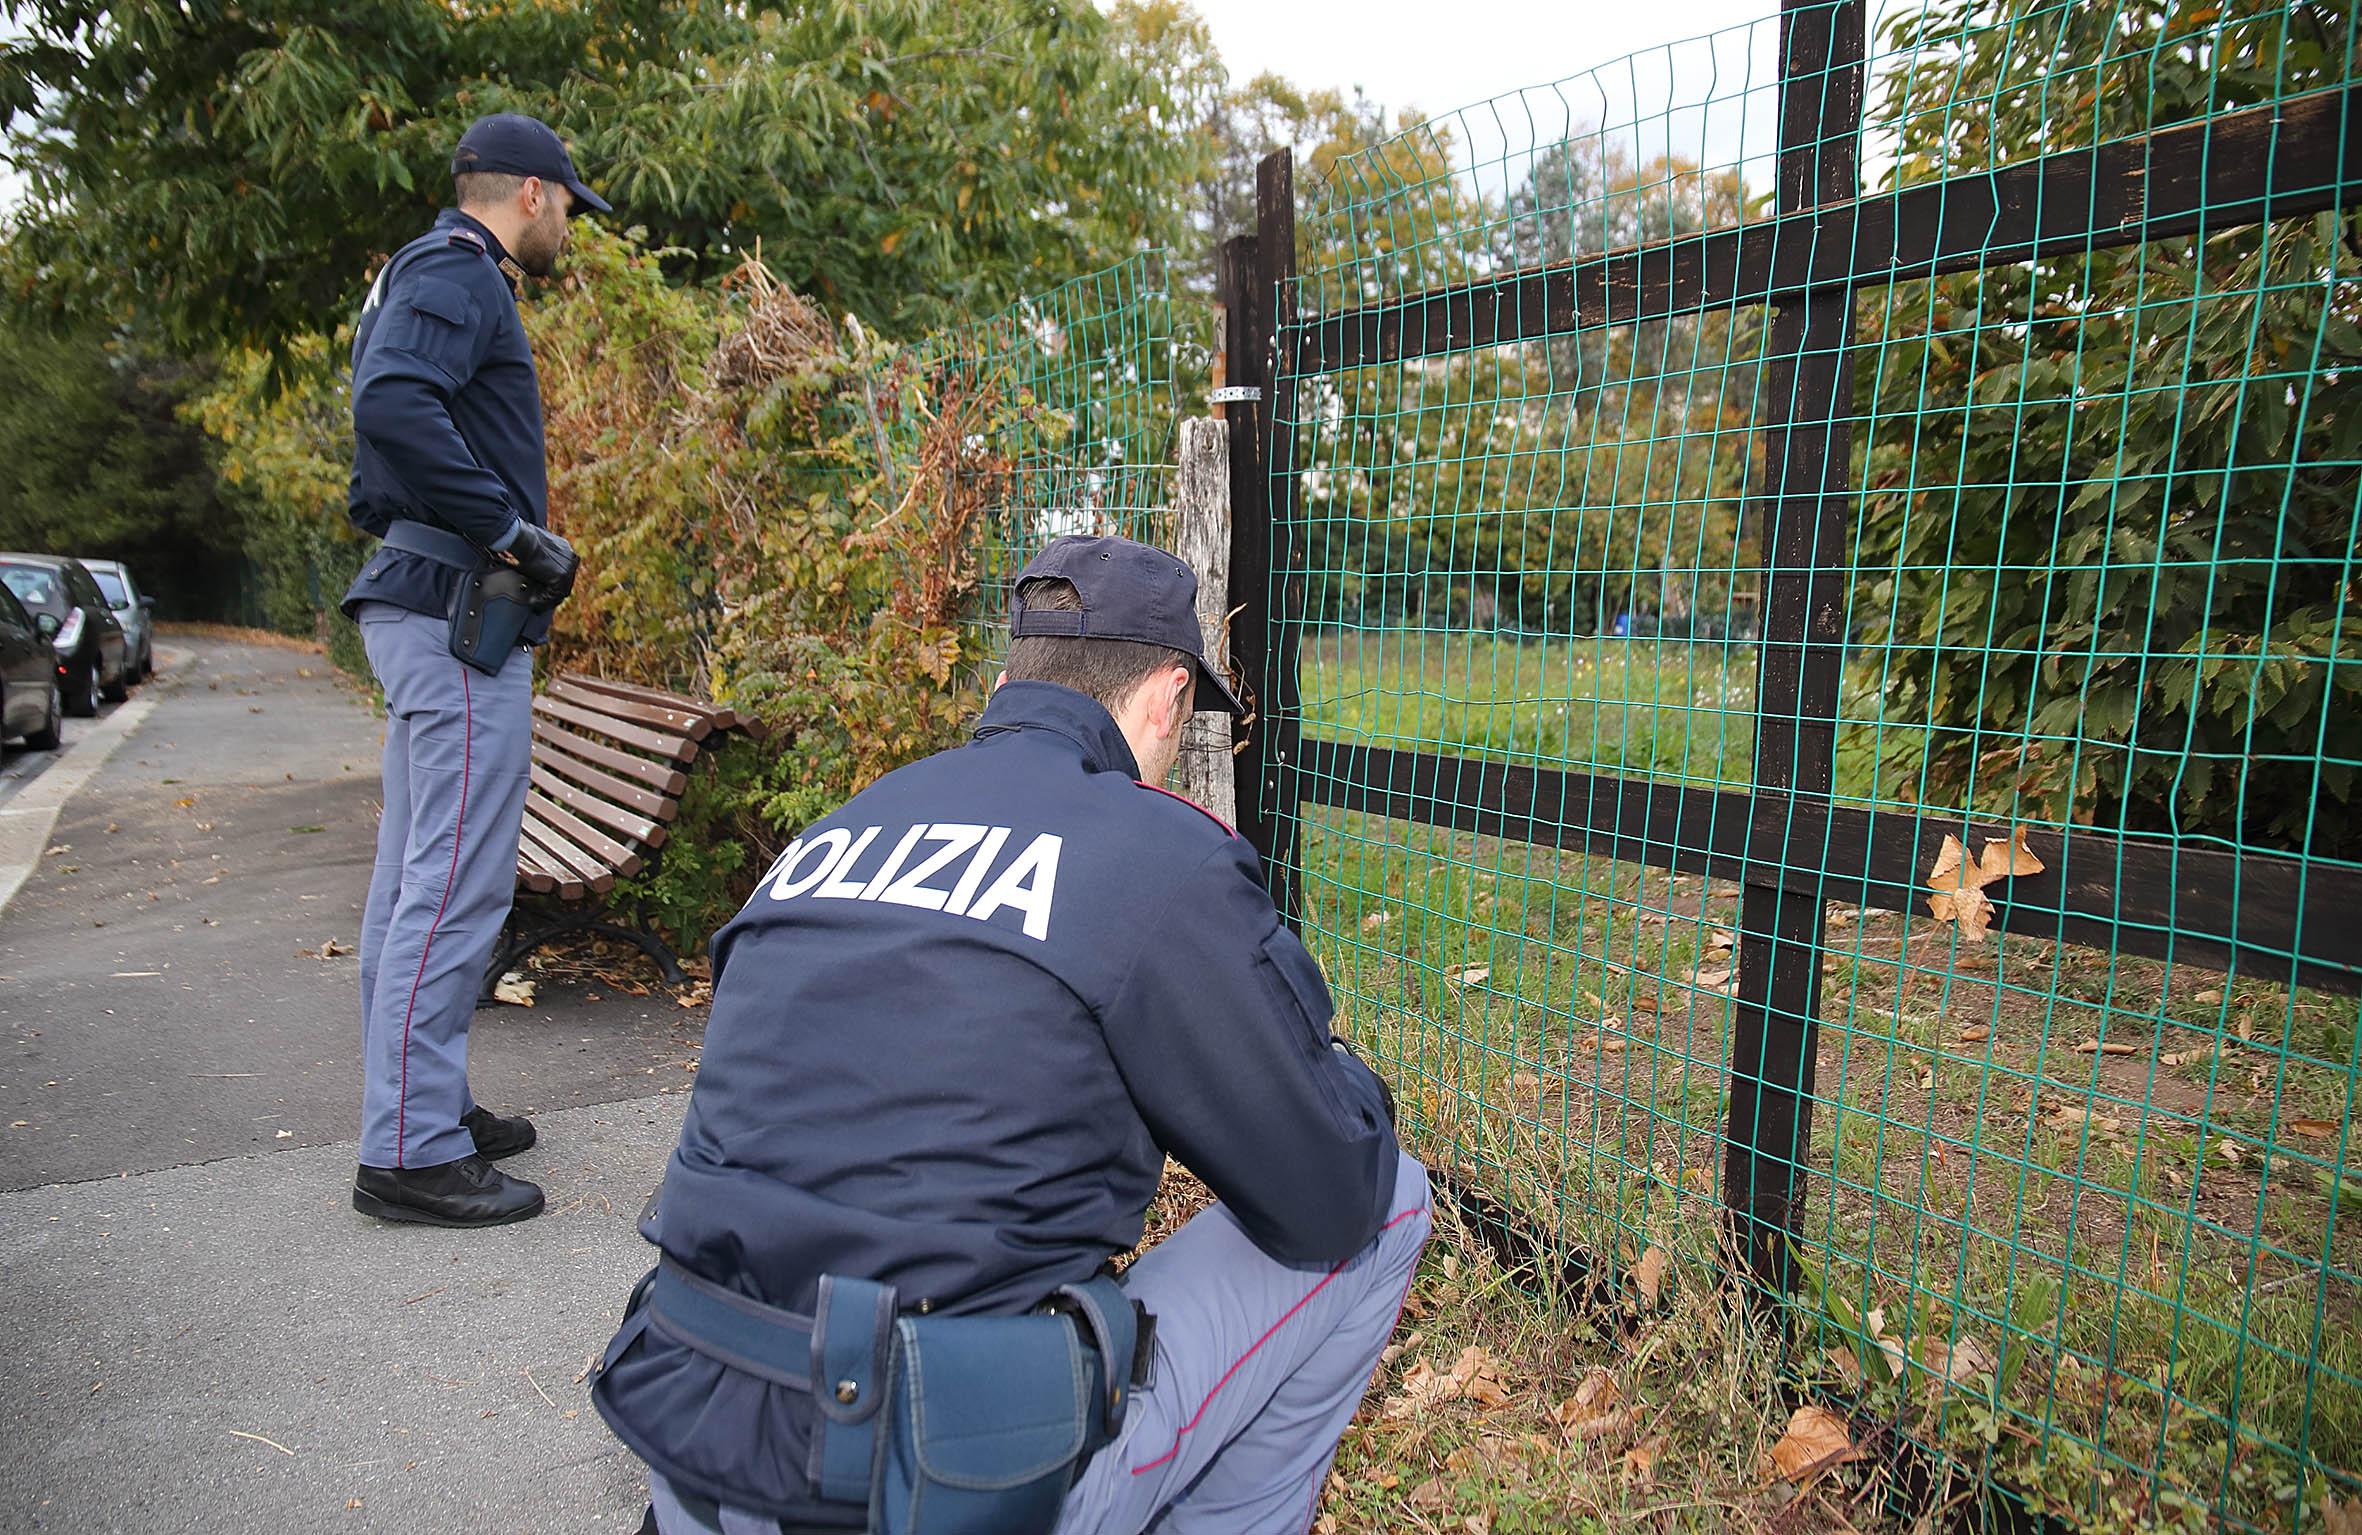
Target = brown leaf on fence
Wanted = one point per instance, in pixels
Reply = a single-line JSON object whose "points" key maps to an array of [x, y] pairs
{"points": [[1815, 1441], [1959, 885]]}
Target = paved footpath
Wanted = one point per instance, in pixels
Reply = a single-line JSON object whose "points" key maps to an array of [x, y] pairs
{"points": [[203, 1335]]}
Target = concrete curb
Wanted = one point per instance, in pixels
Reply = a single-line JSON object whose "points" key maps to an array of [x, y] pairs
{"points": [[27, 818]]}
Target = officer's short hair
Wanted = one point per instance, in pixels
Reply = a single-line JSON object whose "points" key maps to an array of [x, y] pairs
{"points": [[1107, 670], [485, 189]]}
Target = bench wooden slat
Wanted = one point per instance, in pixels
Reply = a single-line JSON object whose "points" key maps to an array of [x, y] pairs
{"points": [[561, 850], [722, 716], [647, 801], [649, 834], [670, 744], [606, 853], [532, 861], [696, 724], [664, 777]]}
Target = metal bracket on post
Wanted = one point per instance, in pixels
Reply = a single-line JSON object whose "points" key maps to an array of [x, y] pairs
{"points": [[1234, 394]]}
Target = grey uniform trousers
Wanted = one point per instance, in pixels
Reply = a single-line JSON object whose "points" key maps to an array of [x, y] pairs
{"points": [[1259, 1368], [458, 748]]}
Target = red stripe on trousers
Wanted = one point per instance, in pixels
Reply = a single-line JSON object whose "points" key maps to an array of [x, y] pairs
{"points": [[1240, 1362]]}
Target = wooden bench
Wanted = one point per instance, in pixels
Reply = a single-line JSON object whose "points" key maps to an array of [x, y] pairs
{"points": [[610, 762]]}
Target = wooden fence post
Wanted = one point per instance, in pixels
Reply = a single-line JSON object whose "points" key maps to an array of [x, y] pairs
{"points": [[1204, 772], [1807, 441]]}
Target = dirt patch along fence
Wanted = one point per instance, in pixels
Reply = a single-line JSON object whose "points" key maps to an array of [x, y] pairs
{"points": [[1801, 605]]}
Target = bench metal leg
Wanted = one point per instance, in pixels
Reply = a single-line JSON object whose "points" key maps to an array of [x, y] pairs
{"points": [[668, 965]]}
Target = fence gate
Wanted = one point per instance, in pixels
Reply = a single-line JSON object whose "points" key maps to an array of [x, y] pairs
{"points": [[1866, 690]]}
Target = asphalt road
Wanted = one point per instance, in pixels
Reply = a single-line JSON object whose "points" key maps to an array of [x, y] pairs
{"points": [[206, 1336]]}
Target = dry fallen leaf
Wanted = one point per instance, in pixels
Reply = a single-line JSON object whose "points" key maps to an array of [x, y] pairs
{"points": [[1958, 1363], [1649, 1275], [2340, 1518], [1430, 1494], [1975, 1036], [1471, 976], [1816, 1440], [1640, 1461], [2112, 1047], [1710, 979], [332, 948], [2318, 1129], [2067, 1117], [513, 989], [1376, 920]]}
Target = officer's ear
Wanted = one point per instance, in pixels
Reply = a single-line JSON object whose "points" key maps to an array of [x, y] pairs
{"points": [[1003, 677]]}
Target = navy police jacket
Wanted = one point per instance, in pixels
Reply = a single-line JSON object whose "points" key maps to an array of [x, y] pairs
{"points": [[955, 1032], [447, 422]]}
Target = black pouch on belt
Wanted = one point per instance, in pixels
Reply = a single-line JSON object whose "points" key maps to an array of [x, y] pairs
{"points": [[489, 612]]}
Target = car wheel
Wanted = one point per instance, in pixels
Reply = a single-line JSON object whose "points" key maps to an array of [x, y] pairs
{"points": [[116, 691], [147, 662], [47, 737], [82, 689]]}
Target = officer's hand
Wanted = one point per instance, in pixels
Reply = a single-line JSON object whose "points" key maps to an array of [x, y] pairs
{"points": [[547, 560], [1385, 1093]]}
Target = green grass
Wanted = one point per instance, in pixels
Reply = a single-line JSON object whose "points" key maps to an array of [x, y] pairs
{"points": [[2146, 1259]]}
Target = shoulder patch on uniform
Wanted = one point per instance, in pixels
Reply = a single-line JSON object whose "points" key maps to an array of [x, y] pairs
{"points": [[460, 236], [1227, 828]]}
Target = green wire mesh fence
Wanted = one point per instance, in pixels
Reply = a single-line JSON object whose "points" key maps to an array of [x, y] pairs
{"points": [[1822, 562], [1067, 397]]}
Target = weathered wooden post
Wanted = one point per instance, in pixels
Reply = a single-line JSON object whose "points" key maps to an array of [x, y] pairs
{"points": [[1205, 772]]}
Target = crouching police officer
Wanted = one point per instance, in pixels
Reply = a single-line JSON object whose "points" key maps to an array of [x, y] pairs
{"points": [[448, 469], [955, 1033]]}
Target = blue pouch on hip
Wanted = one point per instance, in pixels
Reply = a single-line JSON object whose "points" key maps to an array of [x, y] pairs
{"points": [[986, 1419]]}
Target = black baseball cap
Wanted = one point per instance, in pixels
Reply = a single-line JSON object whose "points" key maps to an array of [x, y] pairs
{"points": [[1130, 592], [513, 144]]}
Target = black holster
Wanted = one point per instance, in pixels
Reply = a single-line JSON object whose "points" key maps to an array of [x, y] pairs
{"points": [[489, 611]]}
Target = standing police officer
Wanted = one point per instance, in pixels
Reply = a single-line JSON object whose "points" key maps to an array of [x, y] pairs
{"points": [[955, 1033], [448, 469]]}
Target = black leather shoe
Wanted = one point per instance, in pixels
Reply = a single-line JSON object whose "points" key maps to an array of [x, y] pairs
{"points": [[497, 1137], [468, 1192]]}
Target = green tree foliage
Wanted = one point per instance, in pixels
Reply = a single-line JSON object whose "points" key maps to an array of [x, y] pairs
{"points": [[96, 460], [231, 172], [2111, 516], [1548, 485]]}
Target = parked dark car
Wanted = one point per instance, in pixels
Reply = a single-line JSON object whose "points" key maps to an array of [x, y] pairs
{"points": [[92, 658], [30, 703]]}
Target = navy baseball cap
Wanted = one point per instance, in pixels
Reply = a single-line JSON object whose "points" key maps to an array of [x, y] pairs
{"points": [[1130, 592], [513, 144]]}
